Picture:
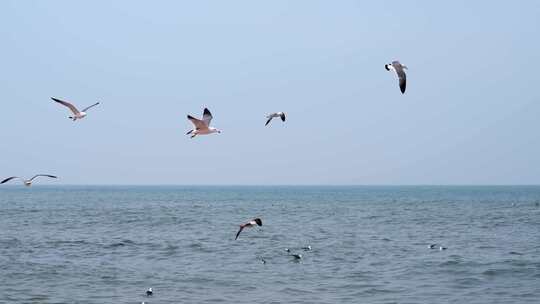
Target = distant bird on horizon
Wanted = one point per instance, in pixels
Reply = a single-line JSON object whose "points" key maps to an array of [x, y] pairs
{"points": [[202, 127], [276, 114], [76, 113], [27, 182], [252, 223], [399, 68]]}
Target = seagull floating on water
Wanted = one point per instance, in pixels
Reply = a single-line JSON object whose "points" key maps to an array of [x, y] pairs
{"points": [[149, 292], [202, 127], [276, 114], [252, 223], [441, 248], [27, 182], [308, 248], [76, 113], [400, 71], [296, 256]]}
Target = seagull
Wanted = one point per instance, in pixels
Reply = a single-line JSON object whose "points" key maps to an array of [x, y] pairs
{"points": [[399, 69], [149, 292], [308, 248], [288, 250], [441, 248], [297, 256], [27, 182], [202, 127], [432, 246], [76, 113], [277, 114], [252, 223]]}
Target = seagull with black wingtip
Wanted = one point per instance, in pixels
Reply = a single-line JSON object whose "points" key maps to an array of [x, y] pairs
{"points": [[27, 182], [252, 223], [202, 126], [273, 115], [76, 113], [399, 68]]}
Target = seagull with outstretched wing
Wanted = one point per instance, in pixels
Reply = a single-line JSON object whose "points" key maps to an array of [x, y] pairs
{"points": [[399, 68], [202, 126], [273, 115], [27, 182], [76, 113], [252, 223]]}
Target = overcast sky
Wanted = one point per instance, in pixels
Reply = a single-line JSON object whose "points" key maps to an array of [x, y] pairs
{"points": [[471, 113]]}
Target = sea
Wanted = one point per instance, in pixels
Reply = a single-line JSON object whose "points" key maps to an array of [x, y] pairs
{"points": [[369, 244]]}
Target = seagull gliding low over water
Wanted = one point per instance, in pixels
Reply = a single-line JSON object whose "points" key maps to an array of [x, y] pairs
{"points": [[27, 182]]}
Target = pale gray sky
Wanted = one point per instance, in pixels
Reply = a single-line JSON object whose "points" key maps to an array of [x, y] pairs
{"points": [[470, 114]]}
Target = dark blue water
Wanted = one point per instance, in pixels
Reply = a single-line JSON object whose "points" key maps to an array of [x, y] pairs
{"points": [[370, 244]]}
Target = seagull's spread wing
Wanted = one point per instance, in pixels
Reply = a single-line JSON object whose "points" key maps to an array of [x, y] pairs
{"points": [[238, 233], [46, 175], [207, 117], [199, 124], [403, 82], [269, 120], [401, 75], [8, 179], [67, 104], [86, 109]]}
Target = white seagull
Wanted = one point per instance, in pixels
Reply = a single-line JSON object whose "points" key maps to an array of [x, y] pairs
{"points": [[277, 114], [202, 127], [27, 182], [254, 222], [400, 71], [76, 113]]}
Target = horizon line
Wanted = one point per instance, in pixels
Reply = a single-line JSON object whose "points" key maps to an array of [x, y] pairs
{"points": [[282, 185]]}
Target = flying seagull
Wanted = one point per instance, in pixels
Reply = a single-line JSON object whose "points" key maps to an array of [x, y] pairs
{"points": [[277, 114], [251, 223], [76, 113], [202, 127], [27, 182], [399, 69]]}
